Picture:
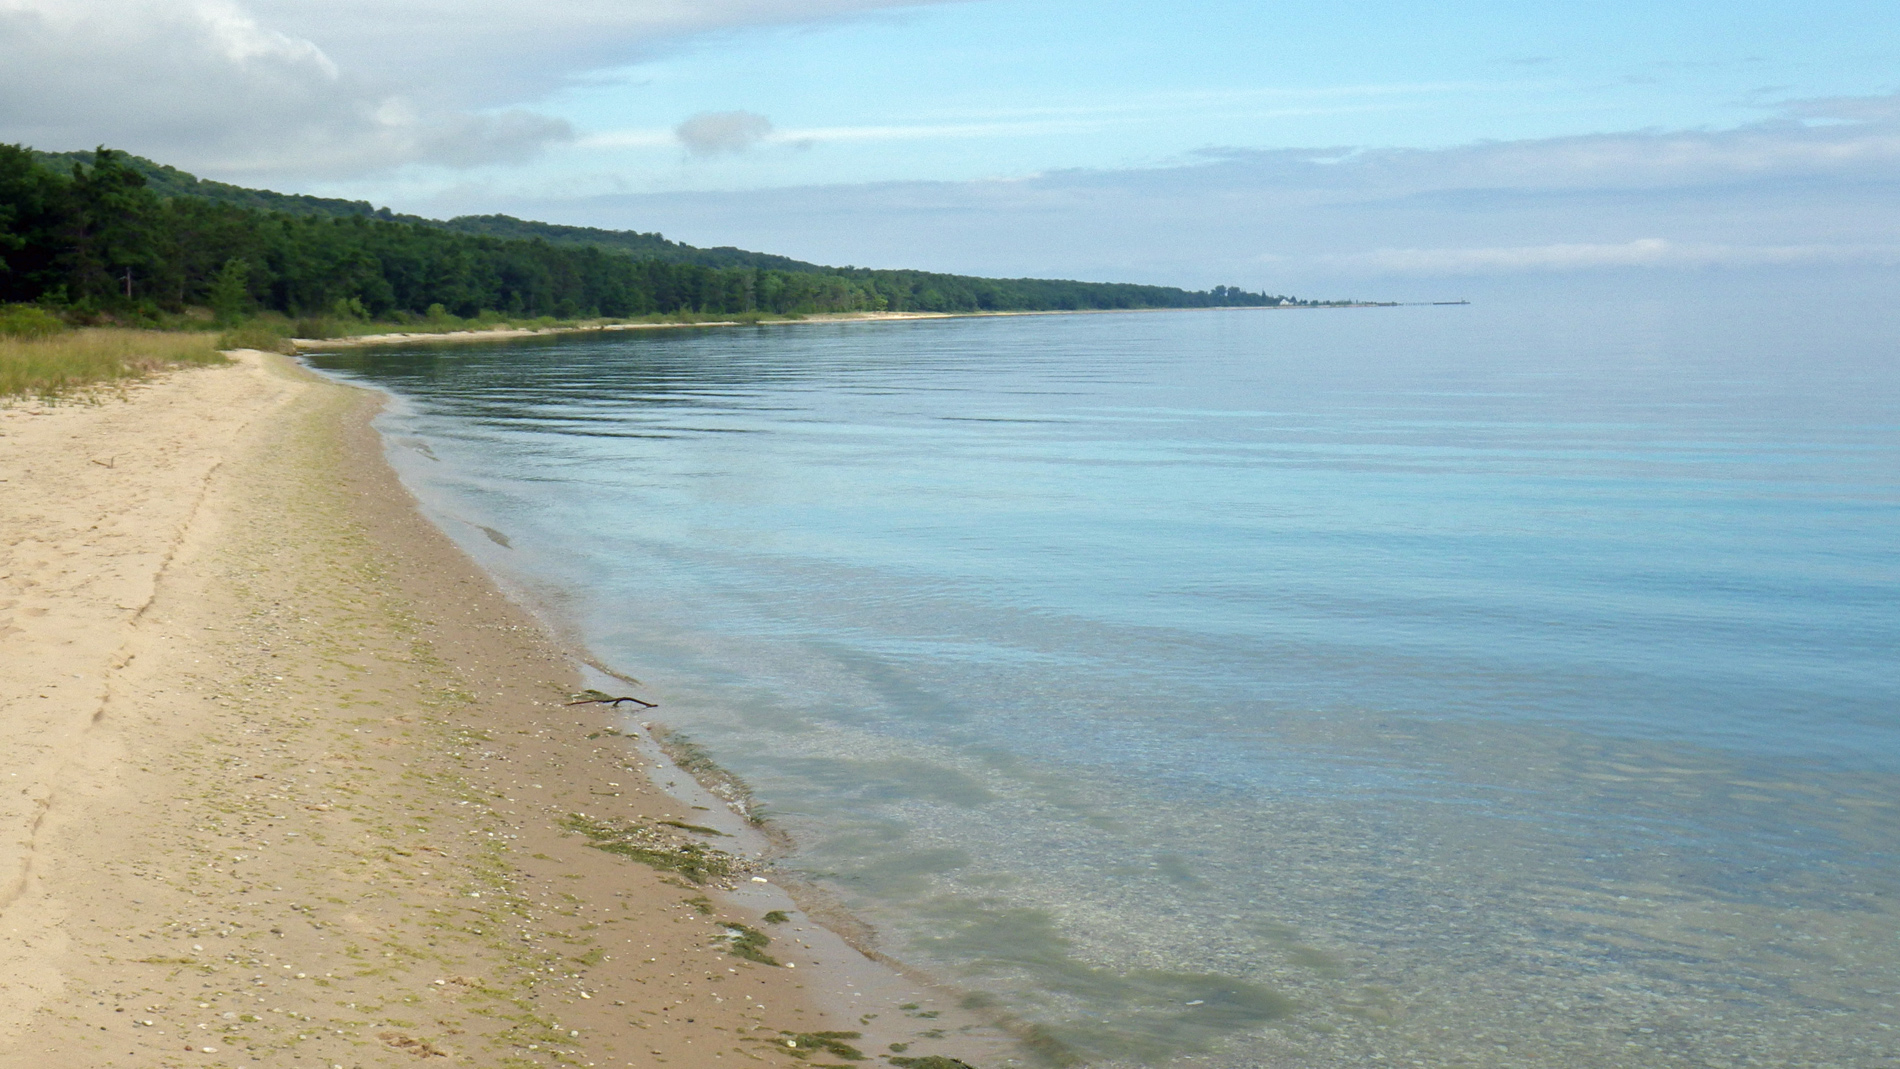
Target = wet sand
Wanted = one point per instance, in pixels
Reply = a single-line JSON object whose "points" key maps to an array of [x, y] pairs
{"points": [[289, 783]]}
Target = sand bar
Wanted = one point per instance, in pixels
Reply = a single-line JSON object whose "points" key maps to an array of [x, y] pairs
{"points": [[286, 782]]}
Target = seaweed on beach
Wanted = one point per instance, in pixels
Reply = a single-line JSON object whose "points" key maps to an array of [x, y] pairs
{"points": [[693, 760], [748, 943], [932, 1061], [660, 848], [805, 1044]]}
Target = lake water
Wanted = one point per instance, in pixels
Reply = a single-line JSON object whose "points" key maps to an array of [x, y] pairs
{"points": [[1509, 685]]}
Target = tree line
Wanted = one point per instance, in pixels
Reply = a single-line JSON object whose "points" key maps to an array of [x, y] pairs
{"points": [[99, 237]]}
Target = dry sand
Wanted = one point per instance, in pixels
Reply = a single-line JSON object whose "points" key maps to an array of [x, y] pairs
{"points": [[285, 778]]}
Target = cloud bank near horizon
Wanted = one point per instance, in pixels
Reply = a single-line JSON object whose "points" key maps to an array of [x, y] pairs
{"points": [[1817, 185]]}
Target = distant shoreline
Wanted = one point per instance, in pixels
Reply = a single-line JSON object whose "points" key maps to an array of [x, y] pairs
{"points": [[507, 333]]}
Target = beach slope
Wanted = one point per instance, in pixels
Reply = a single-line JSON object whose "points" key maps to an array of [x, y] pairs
{"points": [[287, 781]]}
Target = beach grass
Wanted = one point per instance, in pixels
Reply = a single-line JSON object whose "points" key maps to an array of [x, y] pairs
{"points": [[59, 363]]}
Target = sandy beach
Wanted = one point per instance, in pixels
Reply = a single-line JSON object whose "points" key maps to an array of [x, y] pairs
{"points": [[504, 333], [289, 783]]}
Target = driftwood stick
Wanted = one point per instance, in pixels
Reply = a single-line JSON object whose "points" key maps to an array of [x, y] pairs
{"points": [[615, 702]]}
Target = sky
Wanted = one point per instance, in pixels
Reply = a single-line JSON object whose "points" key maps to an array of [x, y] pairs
{"points": [[1377, 147]]}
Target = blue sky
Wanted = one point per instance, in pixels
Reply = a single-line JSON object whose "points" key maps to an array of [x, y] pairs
{"points": [[1012, 87], [1200, 142]]}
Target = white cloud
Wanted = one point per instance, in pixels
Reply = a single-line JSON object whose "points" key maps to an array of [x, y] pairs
{"points": [[205, 84], [488, 52], [256, 89], [713, 133]]}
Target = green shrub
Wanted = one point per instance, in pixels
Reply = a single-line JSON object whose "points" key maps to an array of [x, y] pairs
{"points": [[230, 292], [328, 326], [29, 321]]}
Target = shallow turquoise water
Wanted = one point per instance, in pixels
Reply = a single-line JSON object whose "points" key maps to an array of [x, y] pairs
{"points": [[1495, 685]]}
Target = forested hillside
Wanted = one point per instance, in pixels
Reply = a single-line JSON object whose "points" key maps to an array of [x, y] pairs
{"points": [[172, 182], [632, 243], [107, 234]]}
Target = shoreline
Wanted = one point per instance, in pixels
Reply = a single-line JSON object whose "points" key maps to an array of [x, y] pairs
{"points": [[508, 333], [674, 766], [312, 788]]}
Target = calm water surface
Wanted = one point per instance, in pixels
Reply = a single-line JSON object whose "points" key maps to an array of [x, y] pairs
{"points": [[1505, 686]]}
